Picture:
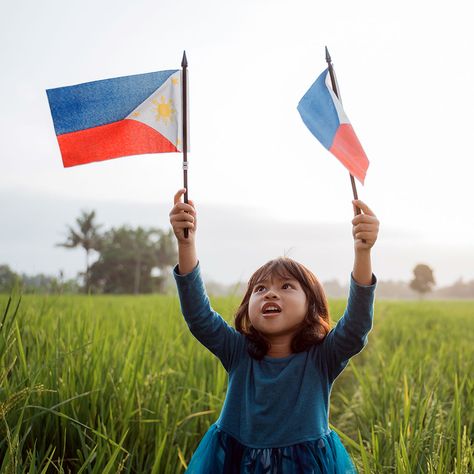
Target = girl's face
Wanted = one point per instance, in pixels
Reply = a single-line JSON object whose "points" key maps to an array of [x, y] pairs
{"points": [[288, 296]]}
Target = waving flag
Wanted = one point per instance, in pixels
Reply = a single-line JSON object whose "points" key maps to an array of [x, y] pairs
{"points": [[323, 114], [123, 116]]}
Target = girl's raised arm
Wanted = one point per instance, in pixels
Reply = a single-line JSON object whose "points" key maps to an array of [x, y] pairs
{"points": [[350, 335], [206, 325], [351, 332]]}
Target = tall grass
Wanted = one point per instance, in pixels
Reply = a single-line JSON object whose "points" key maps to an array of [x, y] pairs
{"points": [[118, 384]]}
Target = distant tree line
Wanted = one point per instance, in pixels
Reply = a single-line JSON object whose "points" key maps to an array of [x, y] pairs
{"points": [[134, 261], [421, 286], [130, 260], [39, 283]]}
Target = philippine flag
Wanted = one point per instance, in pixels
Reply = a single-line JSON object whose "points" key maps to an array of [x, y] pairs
{"points": [[128, 115], [323, 114]]}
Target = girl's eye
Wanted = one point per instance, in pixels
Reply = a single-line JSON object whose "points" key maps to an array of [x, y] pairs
{"points": [[257, 289]]}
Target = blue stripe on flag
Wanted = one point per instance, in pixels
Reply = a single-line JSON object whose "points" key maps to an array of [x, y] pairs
{"points": [[101, 102], [318, 112]]}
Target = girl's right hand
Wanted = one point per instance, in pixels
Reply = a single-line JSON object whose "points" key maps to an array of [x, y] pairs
{"points": [[183, 216]]}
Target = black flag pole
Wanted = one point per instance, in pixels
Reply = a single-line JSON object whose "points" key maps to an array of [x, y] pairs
{"points": [[184, 101], [335, 88]]}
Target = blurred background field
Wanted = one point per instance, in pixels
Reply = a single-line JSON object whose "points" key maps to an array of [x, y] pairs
{"points": [[118, 384]]}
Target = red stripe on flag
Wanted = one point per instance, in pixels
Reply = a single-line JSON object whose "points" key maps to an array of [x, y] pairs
{"points": [[348, 150], [123, 138]]}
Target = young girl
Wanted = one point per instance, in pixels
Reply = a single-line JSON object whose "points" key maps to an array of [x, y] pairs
{"points": [[282, 358]]}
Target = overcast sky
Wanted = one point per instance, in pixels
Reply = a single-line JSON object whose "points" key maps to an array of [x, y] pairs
{"points": [[405, 71]]}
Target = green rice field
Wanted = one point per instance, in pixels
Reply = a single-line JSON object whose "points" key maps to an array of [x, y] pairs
{"points": [[108, 384]]}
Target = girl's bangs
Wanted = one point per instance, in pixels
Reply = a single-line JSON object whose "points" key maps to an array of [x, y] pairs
{"points": [[274, 268]]}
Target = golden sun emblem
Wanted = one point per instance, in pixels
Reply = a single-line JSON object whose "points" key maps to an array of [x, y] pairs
{"points": [[164, 110]]}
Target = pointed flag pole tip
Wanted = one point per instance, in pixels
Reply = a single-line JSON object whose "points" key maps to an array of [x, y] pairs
{"points": [[184, 62], [328, 57]]}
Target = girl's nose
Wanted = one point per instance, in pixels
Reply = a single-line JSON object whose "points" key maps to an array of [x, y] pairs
{"points": [[271, 294]]}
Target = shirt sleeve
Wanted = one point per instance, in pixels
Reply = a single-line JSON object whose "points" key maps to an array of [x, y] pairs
{"points": [[350, 335], [206, 325]]}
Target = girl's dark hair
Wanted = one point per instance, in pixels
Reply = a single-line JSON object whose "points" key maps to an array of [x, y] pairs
{"points": [[317, 322]]}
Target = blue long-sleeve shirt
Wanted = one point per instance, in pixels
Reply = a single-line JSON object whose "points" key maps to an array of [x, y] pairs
{"points": [[280, 401]]}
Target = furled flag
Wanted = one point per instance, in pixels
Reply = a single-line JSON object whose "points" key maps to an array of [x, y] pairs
{"points": [[323, 114], [123, 116]]}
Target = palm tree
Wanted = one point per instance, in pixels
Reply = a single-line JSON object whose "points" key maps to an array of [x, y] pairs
{"points": [[86, 236]]}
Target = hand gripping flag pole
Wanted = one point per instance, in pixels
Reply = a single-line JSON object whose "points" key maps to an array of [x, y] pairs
{"points": [[335, 88], [184, 65]]}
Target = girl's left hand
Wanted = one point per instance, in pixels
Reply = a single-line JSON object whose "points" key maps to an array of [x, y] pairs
{"points": [[365, 227]]}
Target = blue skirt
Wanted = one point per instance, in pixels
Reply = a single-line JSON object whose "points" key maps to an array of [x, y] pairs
{"points": [[220, 453]]}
